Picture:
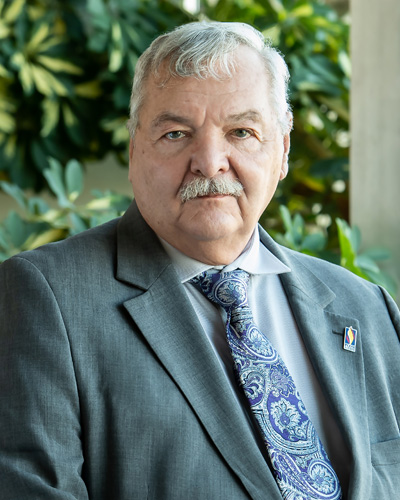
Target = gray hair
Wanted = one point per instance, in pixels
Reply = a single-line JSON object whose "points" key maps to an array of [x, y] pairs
{"points": [[204, 49]]}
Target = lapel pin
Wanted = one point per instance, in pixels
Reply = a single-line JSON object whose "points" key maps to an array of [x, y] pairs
{"points": [[350, 339]]}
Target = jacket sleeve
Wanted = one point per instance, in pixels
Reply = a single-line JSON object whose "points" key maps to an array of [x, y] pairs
{"points": [[41, 454]]}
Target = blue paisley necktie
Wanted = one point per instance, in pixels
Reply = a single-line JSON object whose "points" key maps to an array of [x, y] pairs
{"points": [[301, 466]]}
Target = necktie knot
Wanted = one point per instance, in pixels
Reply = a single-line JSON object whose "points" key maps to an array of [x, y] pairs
{"points": [[227, 289]]}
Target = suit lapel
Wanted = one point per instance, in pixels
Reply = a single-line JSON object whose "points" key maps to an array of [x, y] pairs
{"points": [[162, 311], [340, 372]]}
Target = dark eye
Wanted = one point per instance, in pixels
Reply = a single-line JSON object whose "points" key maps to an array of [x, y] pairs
{"points": [[175, 134], [242, 133]]}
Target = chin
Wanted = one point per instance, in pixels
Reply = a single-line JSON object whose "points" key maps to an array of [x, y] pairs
{"points": [[212, 232], [210, 224]]}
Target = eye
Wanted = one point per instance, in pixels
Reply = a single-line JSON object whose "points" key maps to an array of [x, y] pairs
{"points": [[174, 135], [242, 133]]}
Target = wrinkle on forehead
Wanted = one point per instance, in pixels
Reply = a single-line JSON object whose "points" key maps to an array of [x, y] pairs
{"points": [[252, 115], [166, 117]]}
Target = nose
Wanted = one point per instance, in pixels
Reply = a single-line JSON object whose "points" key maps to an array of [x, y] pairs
{"points": [[210, 156]]}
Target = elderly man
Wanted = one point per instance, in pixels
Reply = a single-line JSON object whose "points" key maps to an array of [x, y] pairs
{"points": [[179, 353]]}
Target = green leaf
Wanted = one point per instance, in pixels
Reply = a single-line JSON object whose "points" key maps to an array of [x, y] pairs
{"points": [[345, 63], [286, 218], [39, 154], [109, 201], [315, 242], [73, 179], [277, 5], [15, 192], [43, 237], [355, 237], [118, 50], [304, 10], [377, 253], [37, 206], [77, 224], [16, 229], [13, 11], [3, 240], [366, 264], [97, 219], [54, 176], [384, 280], [97, 8], [323, 67], [51, 115], [298, 228], [348, 254], [7, 122]]}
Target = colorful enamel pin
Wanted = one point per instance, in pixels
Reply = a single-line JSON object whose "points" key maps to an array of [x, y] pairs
{"points": [[350, 339]]}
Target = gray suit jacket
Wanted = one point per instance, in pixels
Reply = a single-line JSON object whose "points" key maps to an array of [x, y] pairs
{"points": [[109, 389]]}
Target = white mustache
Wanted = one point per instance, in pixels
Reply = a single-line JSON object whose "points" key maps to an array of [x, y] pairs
{"points": [[202, 186]]}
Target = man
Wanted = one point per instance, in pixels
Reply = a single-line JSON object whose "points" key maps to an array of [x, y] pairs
{"points": [[117, 377]]}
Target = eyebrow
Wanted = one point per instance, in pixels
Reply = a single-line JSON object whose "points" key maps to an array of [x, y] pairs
{"points": [[169, 117], [251, 114], [161, 119]]}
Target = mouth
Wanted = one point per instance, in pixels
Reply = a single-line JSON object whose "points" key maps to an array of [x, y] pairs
{"points": [[211, 197], [205, 196]]}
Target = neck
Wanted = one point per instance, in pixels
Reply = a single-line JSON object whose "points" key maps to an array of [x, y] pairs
{"points": [[213, 253]]}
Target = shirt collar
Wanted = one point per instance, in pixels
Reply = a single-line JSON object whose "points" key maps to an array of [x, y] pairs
{"points": [[255, 259]]}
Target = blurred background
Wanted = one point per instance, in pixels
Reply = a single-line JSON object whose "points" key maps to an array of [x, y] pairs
{"points": [[65, 76]]}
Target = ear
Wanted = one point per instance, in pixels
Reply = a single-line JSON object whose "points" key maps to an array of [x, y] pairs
{"points": [[286, 147], [285, 156], [131, 148]]}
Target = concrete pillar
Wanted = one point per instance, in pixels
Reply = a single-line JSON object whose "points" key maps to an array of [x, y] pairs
{"points": [[375, 116]]}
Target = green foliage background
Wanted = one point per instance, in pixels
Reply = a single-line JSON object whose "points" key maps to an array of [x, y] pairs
{"points": [[65, 76]]}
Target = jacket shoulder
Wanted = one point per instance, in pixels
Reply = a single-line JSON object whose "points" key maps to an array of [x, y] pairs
{"points": [[352, 292], [93, 247]]}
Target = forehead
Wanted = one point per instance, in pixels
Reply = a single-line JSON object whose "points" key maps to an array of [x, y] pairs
{"points": [[247, 88]]}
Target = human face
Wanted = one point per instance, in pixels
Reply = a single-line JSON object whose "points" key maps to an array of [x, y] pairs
{"points": [[209, 128]]}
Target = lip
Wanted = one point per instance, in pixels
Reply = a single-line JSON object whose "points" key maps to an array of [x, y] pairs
{"points": [[212, 196]]}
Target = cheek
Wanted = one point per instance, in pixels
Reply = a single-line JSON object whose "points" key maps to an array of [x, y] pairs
{"points": [[142, 180], [143, 169], [157, 185], [256, 171], [260, 179]]}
